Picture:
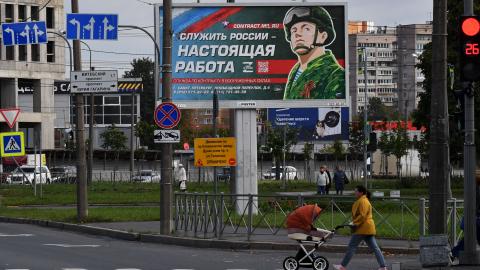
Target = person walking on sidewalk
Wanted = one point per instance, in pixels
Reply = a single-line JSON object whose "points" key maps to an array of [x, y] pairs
{"points": [[340, 179], [182, 178], [322, 181], [363, 228]]}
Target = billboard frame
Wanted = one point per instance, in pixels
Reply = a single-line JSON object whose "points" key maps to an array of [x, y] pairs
{"points": [[255, 104]]}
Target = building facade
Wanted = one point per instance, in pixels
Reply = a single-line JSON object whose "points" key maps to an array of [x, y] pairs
{"points": [[379, 46], [411, 40], [39, 65]]}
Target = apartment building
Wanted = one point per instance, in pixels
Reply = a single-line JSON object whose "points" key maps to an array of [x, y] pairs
{"points": [[379, 47], [38, 65]]}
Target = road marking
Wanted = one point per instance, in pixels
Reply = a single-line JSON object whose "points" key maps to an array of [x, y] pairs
{"points": [[70, 246], [15, 235]]}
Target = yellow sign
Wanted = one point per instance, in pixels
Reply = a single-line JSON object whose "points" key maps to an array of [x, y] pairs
{"points": [[12, 144], [215, 152]]}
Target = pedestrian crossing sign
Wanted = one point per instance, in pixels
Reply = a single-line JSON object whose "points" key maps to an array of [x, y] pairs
{"points": [[12, 144]]}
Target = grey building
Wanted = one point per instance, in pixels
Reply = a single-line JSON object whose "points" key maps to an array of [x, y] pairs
{"points": [[379, 45], [411, 40], [38, 65]]}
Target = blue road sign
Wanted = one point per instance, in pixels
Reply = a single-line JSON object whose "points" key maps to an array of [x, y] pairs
{"points": [[92, 26], [24, 33], [167, 115], [12, 144]]}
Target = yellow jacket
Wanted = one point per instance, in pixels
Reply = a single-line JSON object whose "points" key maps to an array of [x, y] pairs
{"points": [[362, 217]]}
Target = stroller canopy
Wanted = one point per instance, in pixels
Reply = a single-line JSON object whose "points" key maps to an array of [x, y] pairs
{"points": [[303, 217]]}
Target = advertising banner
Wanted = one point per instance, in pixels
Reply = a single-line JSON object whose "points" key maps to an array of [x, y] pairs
{"points": [[313, 124], [276, 56]]}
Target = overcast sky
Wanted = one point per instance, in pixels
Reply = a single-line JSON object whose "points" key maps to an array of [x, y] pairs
{"points": [[134, 44]]}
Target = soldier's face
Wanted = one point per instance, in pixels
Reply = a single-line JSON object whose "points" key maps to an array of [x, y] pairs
{"points": [[303, 37]]}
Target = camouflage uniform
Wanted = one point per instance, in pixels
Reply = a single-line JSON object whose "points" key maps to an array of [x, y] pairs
{"points": [[324, 78]]}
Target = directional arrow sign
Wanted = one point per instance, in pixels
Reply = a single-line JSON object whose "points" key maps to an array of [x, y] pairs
{"points": [[92, 26], [24, 33], [101, 81], [10, 116]]}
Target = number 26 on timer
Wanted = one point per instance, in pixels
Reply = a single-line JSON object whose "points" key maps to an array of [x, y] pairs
{"points": [[472, 49]]}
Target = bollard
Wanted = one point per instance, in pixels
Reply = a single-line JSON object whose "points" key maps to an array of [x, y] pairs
{"points": [[421, 216]]}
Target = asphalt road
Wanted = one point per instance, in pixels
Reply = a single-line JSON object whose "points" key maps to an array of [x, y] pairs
{"points": [[37, 248]]}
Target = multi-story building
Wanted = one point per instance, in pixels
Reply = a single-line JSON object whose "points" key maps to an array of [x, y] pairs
{"points": [[379, 47], [411, 40], [38, 65]]}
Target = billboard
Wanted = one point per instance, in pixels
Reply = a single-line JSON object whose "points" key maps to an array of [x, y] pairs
{"points": [[259, 55], [313, 124]]}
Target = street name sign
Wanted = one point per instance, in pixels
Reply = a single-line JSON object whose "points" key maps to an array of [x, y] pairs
{"points": [[24, 33], [10, 116], [167, 115], [12, 144], [101, 81], [215, 152], [166, 136], [92, 26]]}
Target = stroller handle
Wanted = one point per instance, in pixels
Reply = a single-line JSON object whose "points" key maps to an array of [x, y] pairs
{"points": [[343, 226]]}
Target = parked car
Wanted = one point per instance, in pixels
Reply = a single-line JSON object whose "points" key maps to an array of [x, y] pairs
{"points": [[29, 174], [225, 174], [147, 176], [291, 173], [67, 174]]}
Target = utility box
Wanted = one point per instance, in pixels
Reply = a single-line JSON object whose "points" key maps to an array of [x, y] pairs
{"points": [[434, 250]]}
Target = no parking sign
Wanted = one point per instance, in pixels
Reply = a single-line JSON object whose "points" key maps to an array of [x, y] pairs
{"points": [[167, 115]]}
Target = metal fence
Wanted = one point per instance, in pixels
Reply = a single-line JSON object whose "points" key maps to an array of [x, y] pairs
{"points": [[219, 216]]}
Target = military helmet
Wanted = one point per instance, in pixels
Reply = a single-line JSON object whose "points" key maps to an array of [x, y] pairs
{"points": [[317, 15]]}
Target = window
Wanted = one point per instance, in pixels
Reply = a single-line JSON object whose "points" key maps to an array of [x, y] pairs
{"points": [[8, 13], [50, 17], [10, 51], [51, 51], [34, 13], [35, 52], [22, 53], [22, 13], [110, 100]]}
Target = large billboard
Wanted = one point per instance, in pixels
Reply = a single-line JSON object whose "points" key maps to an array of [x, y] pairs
{"points": [[258, 55], [313, 124]]}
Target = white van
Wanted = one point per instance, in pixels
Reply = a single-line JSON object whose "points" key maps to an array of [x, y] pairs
{"points": [[28, 174]]}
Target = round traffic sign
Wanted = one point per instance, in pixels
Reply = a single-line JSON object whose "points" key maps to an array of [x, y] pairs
{"points": [[167, 115], [186, 146]]}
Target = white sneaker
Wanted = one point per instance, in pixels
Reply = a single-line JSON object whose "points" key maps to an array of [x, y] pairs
{"points": [[339, 267]]}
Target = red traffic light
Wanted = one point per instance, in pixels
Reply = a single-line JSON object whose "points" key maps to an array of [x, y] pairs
{"points": [[471, 27]]}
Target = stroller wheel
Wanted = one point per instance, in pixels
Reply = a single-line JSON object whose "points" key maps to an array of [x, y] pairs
{"points": [[320, 263], [290, 263]]}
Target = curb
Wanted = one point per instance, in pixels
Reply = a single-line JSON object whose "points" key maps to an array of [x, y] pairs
{"points": [[191, 242]]}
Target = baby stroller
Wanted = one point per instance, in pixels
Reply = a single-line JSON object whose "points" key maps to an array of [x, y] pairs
{"points": [[300, 228], [309, 258]]}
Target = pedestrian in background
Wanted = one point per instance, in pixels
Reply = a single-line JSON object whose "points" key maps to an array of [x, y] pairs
{"points": [[329, 180], [340, 179], [182, 178], [322, 180], [363, 228]]}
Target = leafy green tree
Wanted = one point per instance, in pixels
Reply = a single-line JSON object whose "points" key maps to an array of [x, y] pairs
{"points": [[144, 68], [280, 139], [386, 148], [355, 147], [144, 131], [337, 150], [307, 156], [113, 139], [399, 144]]}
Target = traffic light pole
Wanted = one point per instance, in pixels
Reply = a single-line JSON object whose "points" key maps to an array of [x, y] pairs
{"points": [[365, 120], [470, 255]]}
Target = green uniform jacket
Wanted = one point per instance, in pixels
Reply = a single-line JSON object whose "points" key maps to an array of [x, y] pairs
{"points": [[324, 78]]}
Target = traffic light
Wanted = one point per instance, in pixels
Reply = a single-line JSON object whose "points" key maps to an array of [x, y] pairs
{"points": [[470, 48]]}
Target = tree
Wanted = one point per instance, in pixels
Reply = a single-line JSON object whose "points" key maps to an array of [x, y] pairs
{"points": [[399, 143], [144, 131], [337, 150], [386, 148], [144, 68], [113, 139], [307, 156], [356, 140], [280, 139]]}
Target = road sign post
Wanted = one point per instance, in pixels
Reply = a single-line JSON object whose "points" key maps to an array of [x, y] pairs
{"points": [[92, 26], [24, 33]]}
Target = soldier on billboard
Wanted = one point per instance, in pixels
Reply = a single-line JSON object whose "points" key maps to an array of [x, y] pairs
{"points": [[317, 74]]}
